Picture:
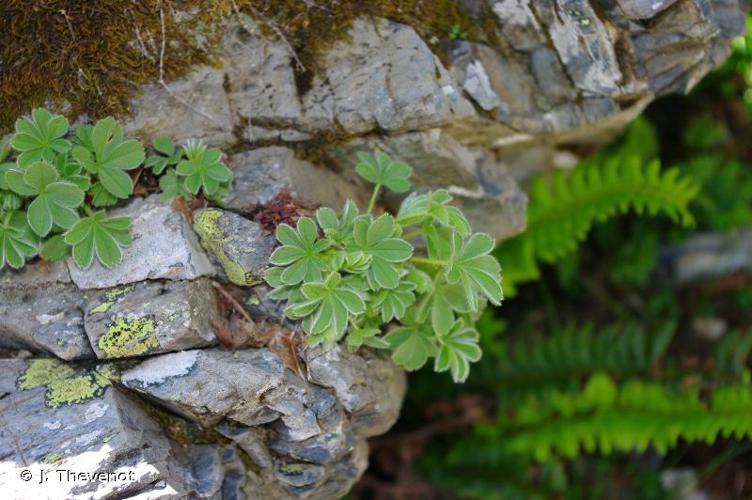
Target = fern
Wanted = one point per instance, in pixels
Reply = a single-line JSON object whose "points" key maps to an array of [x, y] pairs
{"points": [[566, 357], [605, 417], [561, 213]]}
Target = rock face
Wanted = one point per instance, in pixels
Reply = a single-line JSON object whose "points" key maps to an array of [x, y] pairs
{"points": [[150, 405], [543, 74], [127, 377]]}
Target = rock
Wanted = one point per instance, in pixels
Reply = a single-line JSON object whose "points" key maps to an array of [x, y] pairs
{"points": [[173, 252], [261, 174], [479, 183], [366, 384], [59, 418], [383, 77], [43, 313], [240, 245], [707, 256], [151, 317], [196, 106], [204, 385]]}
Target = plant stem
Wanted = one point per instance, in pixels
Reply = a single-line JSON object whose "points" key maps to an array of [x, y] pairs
{"points": [[374, 195], [412, 234], [430, 262], [88, 211]]}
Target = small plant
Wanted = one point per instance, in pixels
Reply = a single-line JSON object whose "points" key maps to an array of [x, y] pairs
{"points": [[51, 185], [355, 273], [456, 33]]}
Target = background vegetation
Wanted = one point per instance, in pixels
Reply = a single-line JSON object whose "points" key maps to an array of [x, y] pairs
{"points": [[600, 378]]}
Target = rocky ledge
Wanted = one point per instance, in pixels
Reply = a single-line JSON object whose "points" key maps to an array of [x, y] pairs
{"points": [[120, 372]]}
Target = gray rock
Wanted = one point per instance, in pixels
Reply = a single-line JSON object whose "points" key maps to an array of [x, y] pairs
{"points": [[204, 385], [261, 174], [62, 418], [384, 77], [707, 256], [151, 317], [196, 106], [240, 245], [41, 313], [164, 247]]}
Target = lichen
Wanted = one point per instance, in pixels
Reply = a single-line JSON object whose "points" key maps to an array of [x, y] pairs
{"points": [[41, 372], [75, 390], [206, 225], [291, 468], [64, 385], [109, 299], [126, 338], [53, 457]]}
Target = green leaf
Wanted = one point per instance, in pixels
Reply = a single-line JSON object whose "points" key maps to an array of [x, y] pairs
{"points": [[70, 171], [301, 252], [366, 336], [203, 168], [458, 348], [416, 209], [16, 242], [477, 271], [168, 156], [382, 170], [173, 186], [55, 201], [376, 240], [55, 249], [100, 197], [100, 236], [328, 304], [393, 304], [109, 156], [40, 137], [412, 346], [338, 228]]}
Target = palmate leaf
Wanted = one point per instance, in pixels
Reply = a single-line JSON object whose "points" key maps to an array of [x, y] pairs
{"points": [[441, 304], [100, 236], [327, 306], [412, 345], [335, 227], [203, 168], [476, 270], [382, 170], [458, 348], [173, 186], [301, 252], [393, 304], [109, 156], [71, 171], [16, 241], [168, 155], [54, 201], [367, 336], [415, 209], [376, 239], [40, 137]]}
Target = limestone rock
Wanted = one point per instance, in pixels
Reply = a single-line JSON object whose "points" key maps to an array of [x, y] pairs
{"points": [[195, 106], [164, 247], [240, 245], [260, 174], [60, 418], [151, 317], [41, 312]]}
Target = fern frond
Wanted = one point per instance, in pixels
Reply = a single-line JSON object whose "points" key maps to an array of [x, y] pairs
{"points": [[562, 212], [567, 357], [606, 418]]}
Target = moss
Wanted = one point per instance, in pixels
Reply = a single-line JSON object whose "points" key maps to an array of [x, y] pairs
{"points": [[53, 457], [109, 298], [89, 57], [129, 338], [42, 372], [214, 239], [65, 386]]}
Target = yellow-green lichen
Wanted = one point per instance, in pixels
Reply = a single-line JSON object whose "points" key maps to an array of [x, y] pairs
{"points": [[64, 385], [75, 390], [292, 468], [129, 338], [41, 372], [53, 457], [110, 297], [214, 240]]}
